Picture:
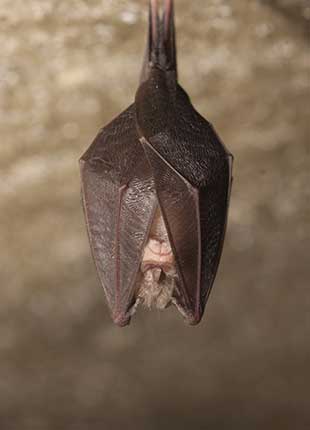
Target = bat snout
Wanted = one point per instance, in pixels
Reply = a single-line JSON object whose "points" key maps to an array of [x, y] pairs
{"points": [[160, 249]]}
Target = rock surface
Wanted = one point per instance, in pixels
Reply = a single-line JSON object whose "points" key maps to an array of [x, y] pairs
{"points": [[66, 69]]}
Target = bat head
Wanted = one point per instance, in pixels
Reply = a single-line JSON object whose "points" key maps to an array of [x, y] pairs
{"points": [[158, 281]]}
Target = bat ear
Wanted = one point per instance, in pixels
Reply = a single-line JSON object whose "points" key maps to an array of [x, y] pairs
{"points": [[161, 45]]}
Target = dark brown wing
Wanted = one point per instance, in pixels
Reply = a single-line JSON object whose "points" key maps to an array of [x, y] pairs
{"points": [[119, 202], [192, 172]]}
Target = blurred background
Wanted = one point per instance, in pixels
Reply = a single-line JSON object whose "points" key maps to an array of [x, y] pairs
{"points": [[66, 69]]}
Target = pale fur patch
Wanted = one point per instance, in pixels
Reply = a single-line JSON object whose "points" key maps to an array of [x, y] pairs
{"points": [[157, 267]]}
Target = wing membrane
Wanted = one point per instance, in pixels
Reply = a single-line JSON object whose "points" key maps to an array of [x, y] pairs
{"points": [[119, 202], [192, 172]]}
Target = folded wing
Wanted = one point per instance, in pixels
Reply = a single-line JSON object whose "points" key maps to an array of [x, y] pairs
{"points": [[192, 172], [119, 203]]}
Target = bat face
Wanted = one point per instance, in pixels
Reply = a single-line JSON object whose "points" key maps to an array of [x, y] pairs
{"points": [[156, 185], [157, 267]]}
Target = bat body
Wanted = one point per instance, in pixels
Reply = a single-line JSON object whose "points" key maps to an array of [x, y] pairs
{"points": [[156, 186]]}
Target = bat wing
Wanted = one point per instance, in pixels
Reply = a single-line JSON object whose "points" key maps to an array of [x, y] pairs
{"points": [[119, 203], [192, 172]]}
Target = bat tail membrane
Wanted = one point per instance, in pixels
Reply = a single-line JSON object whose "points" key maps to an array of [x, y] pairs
{"points": [[161, 41]]}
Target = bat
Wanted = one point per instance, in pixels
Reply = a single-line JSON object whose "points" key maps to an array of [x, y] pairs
{"points": [[156, 186]]}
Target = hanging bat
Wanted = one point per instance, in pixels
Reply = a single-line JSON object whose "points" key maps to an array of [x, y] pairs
{"points": [[156, 186]]}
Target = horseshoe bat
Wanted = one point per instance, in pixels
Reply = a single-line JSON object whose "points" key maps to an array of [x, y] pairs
{"points": [[156, 186]]}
